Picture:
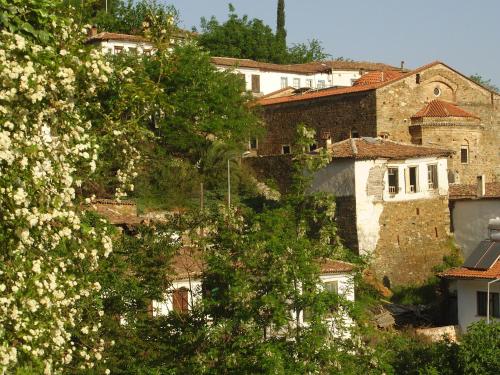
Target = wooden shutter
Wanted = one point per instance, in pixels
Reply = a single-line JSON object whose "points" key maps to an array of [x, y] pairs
{"points": [[180, 300], [255, 83]]}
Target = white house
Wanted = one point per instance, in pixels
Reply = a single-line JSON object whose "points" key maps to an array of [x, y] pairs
{"points": [[477, 282], [391, 204], [264, 79]]}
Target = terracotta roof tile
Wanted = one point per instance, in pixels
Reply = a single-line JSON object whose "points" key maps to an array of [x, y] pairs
{"points": [[359, 65], [335, 266], [459, 191], [359, 88], [314, 94], [467, 273], [378, 77], [440, 108], [115, 36], [187, 263], [309, 68], [374, 148], [123, 212]]}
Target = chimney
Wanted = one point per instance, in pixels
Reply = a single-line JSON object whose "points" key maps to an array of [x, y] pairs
{"points": [[481, 186], [494, 229], [361, 71], [92, 31], [402, 64]]}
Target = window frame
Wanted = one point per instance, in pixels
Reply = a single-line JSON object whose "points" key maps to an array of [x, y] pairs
{"points": [[481, 304], [415, 186], [256, 143], [256, 83], [396, 186], [180, 300], [284, 82], [432, 178], [321, 84], [466, 149], [283, 149]]}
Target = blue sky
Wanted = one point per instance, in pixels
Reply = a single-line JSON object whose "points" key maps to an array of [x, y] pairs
{"points": [[465, 34]]}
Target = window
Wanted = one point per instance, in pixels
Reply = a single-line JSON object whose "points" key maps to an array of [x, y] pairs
{"points": [[118, 49], [313, 147], [354, 133], [464, 154], [180, 300], [321, 84], [132, 50], [284, 82], [253, 144], [417, 78], [331, 286], [412, 180], [432, 176], [309, 83], [147, 52], [255, 83], [242, 77], [296, 83], [437, 91], [286, 149], [393, 180], [494, 304]]}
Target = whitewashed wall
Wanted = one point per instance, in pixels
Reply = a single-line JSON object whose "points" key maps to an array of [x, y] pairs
{"points": [[109, 46], [466, 300], [161, 308], [470, 221]]}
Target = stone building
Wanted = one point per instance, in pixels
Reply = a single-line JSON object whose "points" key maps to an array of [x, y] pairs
{"points": [[432, 106], [392, 204]]}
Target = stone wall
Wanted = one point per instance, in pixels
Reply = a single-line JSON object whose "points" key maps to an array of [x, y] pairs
{"points": [[334, 115], [414, 237], [345, 217], [397, 102], [272, 170]]}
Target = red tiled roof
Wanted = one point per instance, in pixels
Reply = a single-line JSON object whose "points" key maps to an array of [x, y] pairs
{"points": [[467, 273], [318, 94], [440, 108], [335, 266], [459, 191], [115, 36], [187, 263], [378, 77], [308, 68], [123, 212], [374, 148], [359, 65]]}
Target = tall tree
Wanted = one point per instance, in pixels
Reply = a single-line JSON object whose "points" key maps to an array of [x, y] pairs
{"points": [[280, 26]]}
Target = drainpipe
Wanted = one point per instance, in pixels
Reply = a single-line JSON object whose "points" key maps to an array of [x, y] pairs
{"points": [[488, 300]]}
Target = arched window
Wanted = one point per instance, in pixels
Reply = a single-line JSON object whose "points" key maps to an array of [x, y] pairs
{"points": [[464, 152], [354, 133]]}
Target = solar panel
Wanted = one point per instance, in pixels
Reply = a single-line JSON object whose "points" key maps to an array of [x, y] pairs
{"points": [[490, 256], [477, 254]]}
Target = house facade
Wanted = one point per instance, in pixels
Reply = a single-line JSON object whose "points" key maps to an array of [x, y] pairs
{"points": [[433, 106], [477, 282], [392, 204], [263, 79]]}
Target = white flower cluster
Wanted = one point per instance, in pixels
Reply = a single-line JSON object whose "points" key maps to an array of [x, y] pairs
{"points": [[48, 297]]}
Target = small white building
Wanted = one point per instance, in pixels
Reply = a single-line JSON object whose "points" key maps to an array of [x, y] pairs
{"points": [[114, 43], [477, 282], [391, 204]]}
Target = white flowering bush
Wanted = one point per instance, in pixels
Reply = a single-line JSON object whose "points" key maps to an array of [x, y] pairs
{"points": [[49, 253]]}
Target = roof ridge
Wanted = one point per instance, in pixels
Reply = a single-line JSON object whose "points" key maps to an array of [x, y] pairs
{"points": [[353, 146]]}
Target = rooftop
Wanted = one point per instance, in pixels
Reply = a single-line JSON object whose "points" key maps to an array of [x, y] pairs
{"points": [[459, 191], [469, 273], [104, 36], [440, 108], [309, 68], [378, 148], [335, 266], [378, 77], [187, 263]]}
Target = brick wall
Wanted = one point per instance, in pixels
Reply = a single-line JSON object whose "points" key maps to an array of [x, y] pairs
{"points": [[411, 242], [337, 115]]}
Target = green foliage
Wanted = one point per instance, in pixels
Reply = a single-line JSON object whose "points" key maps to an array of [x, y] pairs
{"points": [[246, 38], [479, 352], [484, 82]]}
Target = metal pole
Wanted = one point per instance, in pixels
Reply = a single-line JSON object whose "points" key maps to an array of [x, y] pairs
{"points": [[488, 300], [106, 6], [228, 184]]}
